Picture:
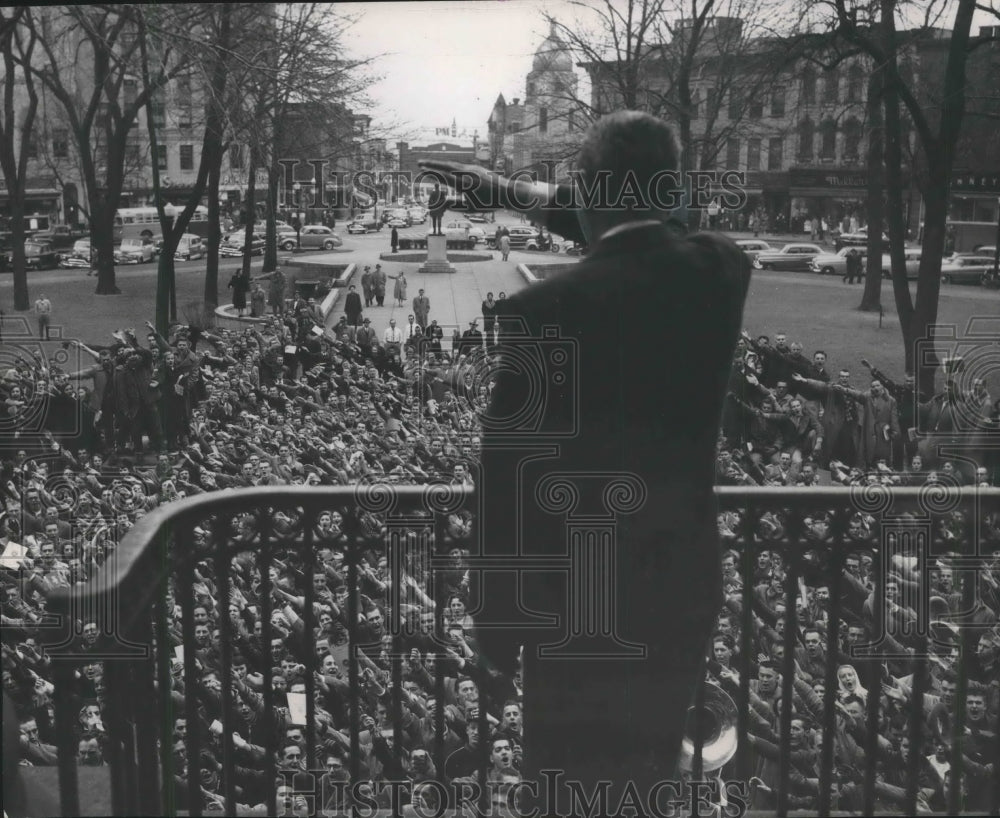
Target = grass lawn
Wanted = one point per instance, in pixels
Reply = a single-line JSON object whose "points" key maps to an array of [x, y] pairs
{"points": [[818, 311], [821, 313]]}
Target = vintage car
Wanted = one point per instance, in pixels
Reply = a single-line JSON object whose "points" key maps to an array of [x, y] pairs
{"points": [[793, 256], [232, 245], [39, 255], [962, 268], [311, 237], [859, 239], [135, 251], [752, 247], [829, 264]]}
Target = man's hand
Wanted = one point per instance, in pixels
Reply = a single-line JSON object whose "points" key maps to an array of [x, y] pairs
{"points": [[797, 377], [865, 363]]}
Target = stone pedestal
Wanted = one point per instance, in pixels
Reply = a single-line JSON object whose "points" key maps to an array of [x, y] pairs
{"points": [[437, 256]]}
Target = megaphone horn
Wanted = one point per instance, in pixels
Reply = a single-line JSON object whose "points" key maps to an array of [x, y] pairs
{"points": [[718, 724]]}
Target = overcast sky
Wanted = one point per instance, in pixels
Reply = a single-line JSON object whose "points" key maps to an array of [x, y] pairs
{"points": [[445, 60]]}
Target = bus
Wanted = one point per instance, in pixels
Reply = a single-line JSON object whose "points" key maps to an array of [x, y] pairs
{"points": [[144, 222]]}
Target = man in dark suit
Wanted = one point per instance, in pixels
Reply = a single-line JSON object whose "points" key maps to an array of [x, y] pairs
{"points": [[603, 428], [352, 306]]}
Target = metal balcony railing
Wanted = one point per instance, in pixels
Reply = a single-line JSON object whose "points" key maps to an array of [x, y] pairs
{"points": [[215, 534]]}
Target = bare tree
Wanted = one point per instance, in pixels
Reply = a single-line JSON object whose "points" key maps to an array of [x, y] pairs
{"points": [[89, 64], [937, 119], [656, 56], [17, 41]]}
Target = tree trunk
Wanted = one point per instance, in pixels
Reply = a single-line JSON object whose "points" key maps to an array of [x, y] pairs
{"points": [[102, 236], [871, 299], [270, 229], [22, 301], [164, 276], [248, 229], [214, 238], [894, 168], [925, 310]]}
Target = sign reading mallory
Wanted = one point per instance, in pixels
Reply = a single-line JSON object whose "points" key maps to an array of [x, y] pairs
{"points": [[977, 182]]}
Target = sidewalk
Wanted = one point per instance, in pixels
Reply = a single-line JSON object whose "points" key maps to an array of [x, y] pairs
{"points": [[456, 298]]}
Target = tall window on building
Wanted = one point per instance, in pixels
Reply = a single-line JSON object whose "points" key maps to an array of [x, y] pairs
{"points": [[60, 143], [828, 140], [852, 140], [31, 147], [855, 76], [184, 102], [756, 109], [805, 130], [695, 103], [571, 121], [778, 102], [831, 85], [130, 90], [187, 157], [161, 157], [236, 157], [159, 113], [543, 120], [732, 154], [753, 153], [808, 87], [775, 153], [735, 103]]}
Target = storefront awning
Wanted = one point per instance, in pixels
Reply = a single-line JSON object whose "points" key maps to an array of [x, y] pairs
{"points": [[830, 192]]}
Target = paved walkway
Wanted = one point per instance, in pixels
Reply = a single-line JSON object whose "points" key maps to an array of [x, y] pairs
{"points": [[455, 298]]}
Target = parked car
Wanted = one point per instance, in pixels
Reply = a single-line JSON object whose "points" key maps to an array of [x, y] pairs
{"points": [[859, 239], [135, 251], [829, 264], [966, 269], [189, 248], [477, 218], [397, 223], [311, 237], [364, 223], [751, 247], [417, 215], [519, 237], [464, 229], [790, 257], [912, 264], [60, 235], [80, 256], [232, 245], [39, 255], [399, 214]]}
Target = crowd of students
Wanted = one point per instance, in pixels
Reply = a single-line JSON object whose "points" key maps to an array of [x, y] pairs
{"points": [[287, 403]]}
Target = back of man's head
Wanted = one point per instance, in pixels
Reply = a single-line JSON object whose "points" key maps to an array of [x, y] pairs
{"points": [[628, 149]]}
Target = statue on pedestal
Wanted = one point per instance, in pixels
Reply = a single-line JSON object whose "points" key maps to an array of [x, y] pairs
{"points": [[437, 205]]}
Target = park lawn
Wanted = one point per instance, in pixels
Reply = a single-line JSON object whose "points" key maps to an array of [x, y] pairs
{"points": [[822, 313]]}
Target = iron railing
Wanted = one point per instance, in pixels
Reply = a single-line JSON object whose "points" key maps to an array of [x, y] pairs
{"points": [[171, 547]]}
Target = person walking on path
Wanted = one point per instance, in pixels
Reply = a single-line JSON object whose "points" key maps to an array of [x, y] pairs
{"points": [[352, 306], [368, 285], [853, 267], [505, 246], [399, 288], [394, 240], [421, 308], [43, 310], [378, 282]]}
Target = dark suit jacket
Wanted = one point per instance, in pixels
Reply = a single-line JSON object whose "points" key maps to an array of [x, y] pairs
{"points": [[654, 317]]}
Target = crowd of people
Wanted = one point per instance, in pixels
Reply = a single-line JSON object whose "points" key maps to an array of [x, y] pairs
{"points": [[789, 422], [283, 402], [286, 402]]}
